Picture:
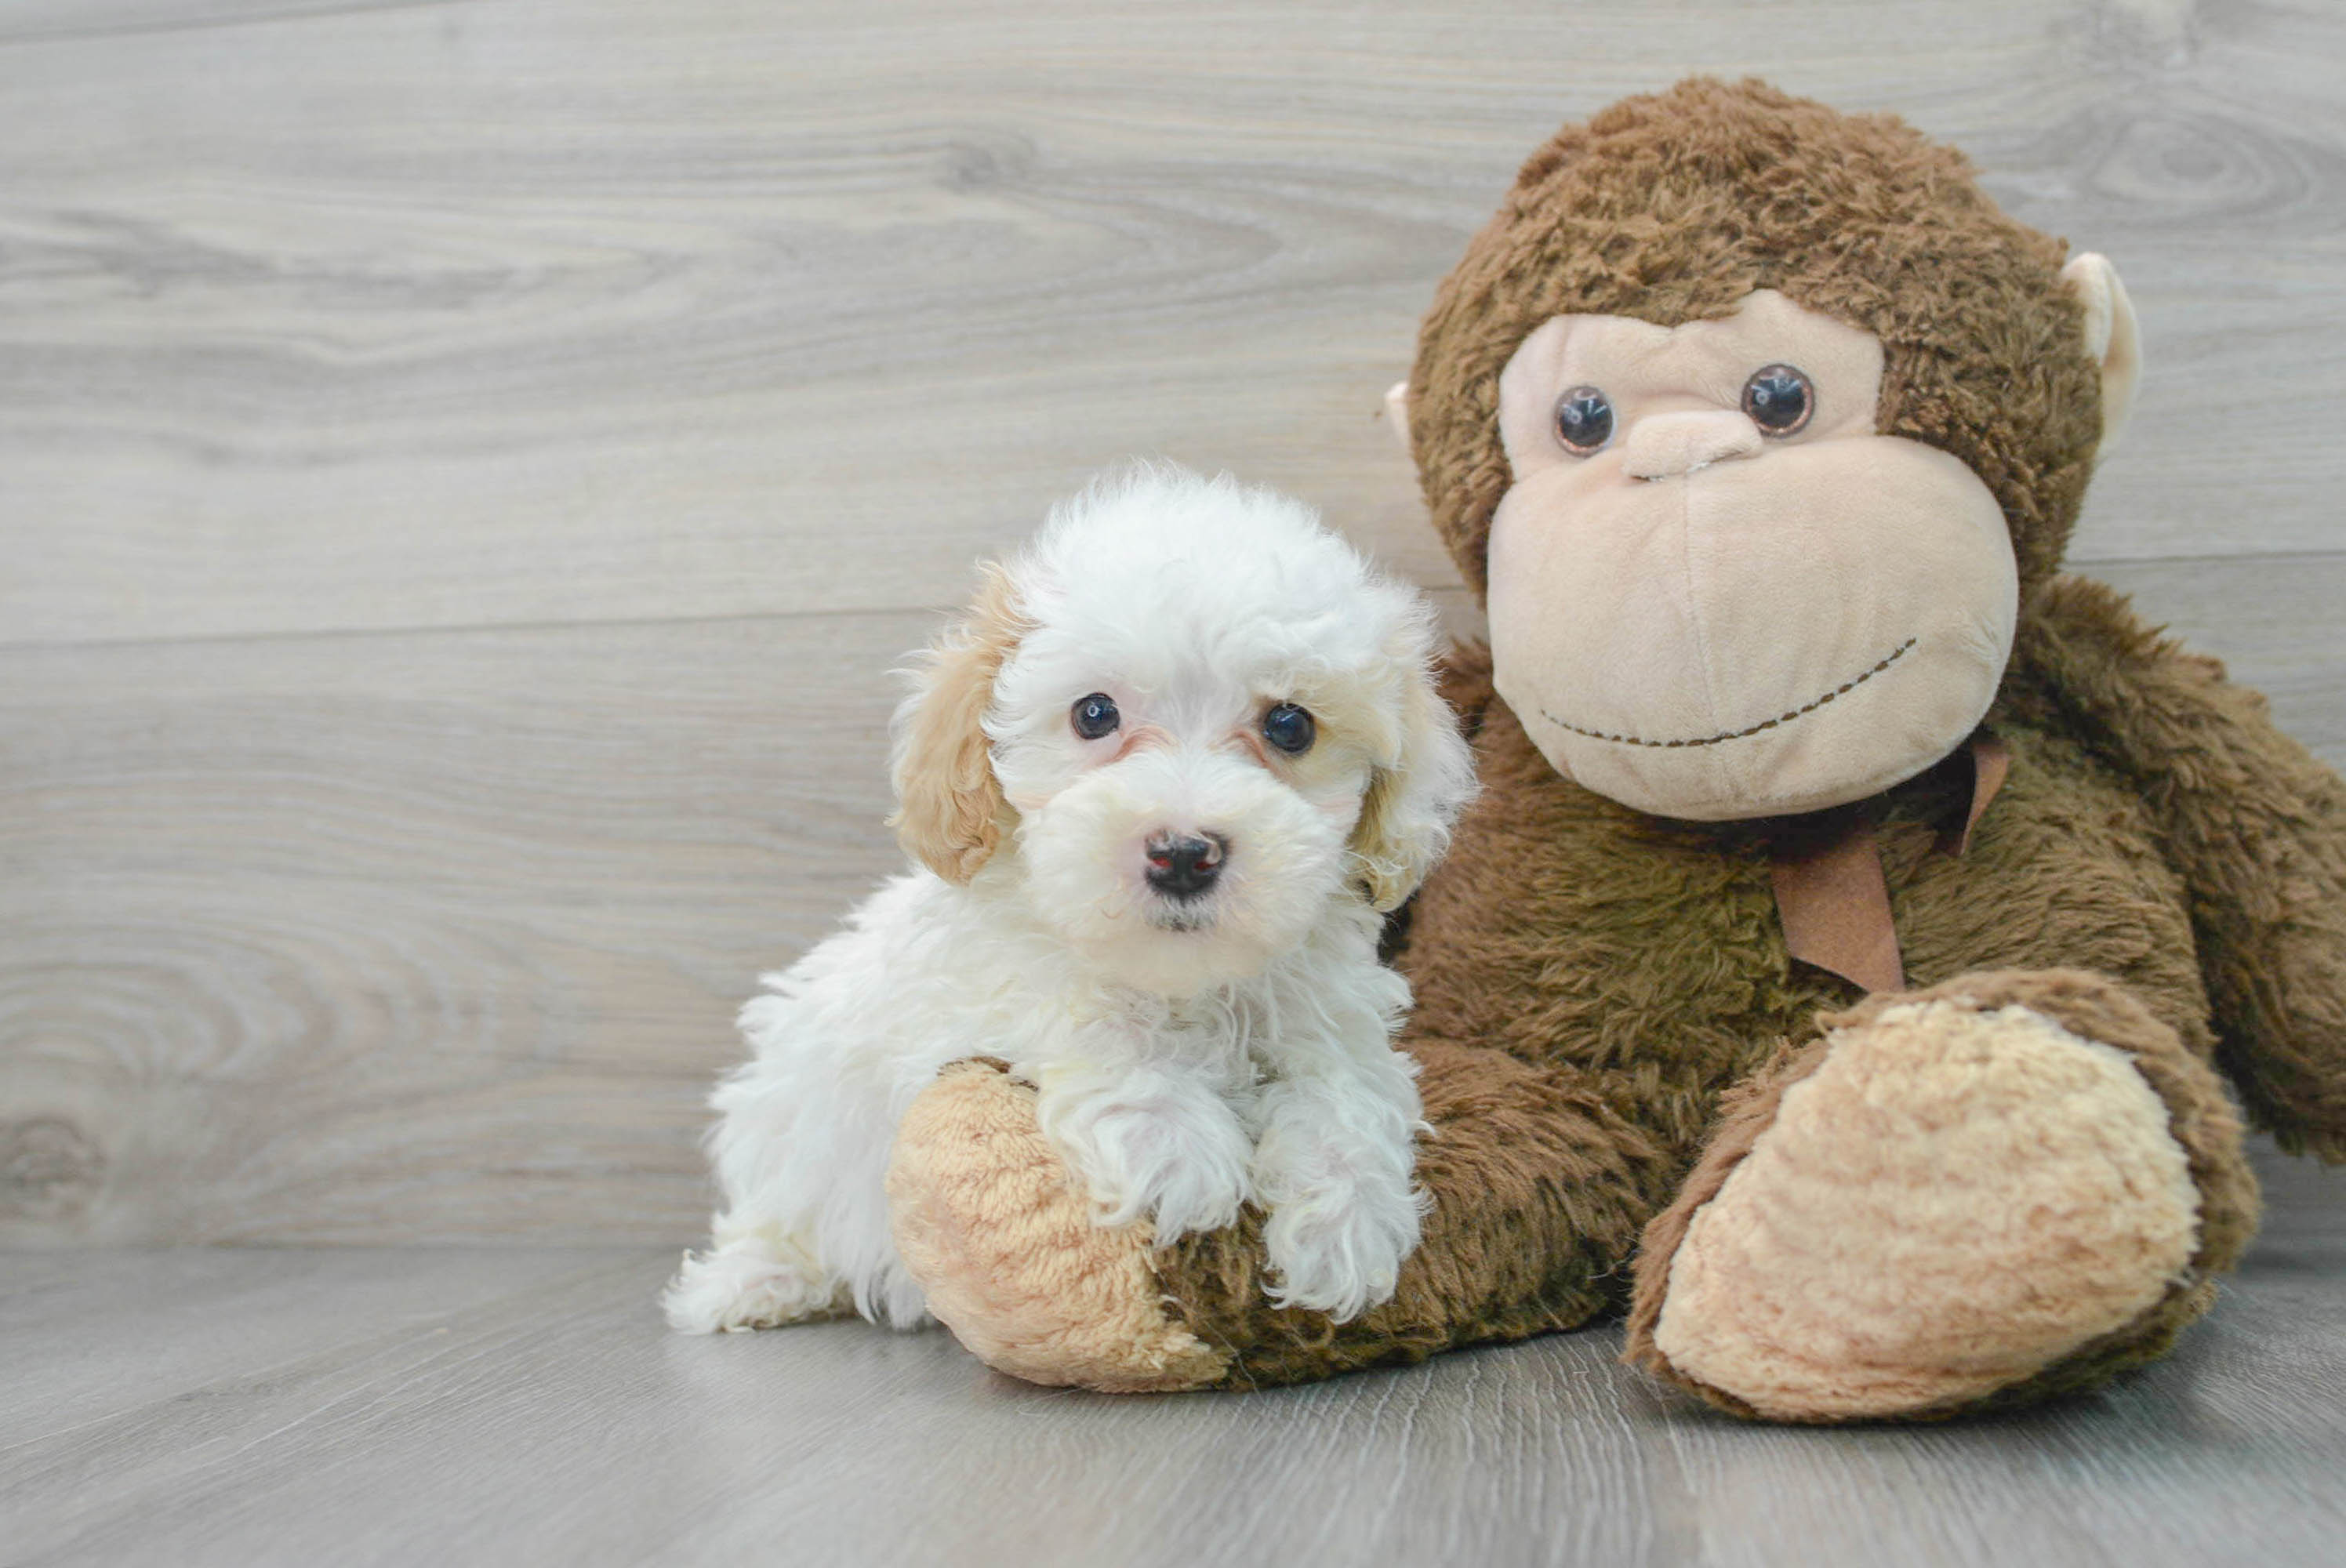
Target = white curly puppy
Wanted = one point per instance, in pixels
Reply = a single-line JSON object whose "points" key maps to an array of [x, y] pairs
{"points": [[1162, 778]]}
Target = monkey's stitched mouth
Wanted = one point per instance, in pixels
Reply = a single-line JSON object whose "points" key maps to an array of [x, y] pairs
{"points": [[1843, 689]]}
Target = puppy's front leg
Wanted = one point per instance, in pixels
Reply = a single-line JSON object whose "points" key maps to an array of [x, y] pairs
{"points": [[1334, 1167], [1149, 1141]]}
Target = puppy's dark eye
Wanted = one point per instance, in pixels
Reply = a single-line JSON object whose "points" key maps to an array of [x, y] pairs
{"points": [[1780, 400], [1584, 420], [1289, 729], [1094, 716]]}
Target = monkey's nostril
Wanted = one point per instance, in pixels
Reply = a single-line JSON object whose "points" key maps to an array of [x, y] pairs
{"points": [[1183, 865]]}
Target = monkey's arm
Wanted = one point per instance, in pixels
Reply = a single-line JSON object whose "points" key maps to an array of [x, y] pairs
{"points": [[1539, 1193], [2255, 824]]}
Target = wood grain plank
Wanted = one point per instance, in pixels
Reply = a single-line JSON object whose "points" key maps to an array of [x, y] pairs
{"points": [[556, 1420], [425, 935], [500, 313], [92, 1336], [437, 936], [50, 20]]}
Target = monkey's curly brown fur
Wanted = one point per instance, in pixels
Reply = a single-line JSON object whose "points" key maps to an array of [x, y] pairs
{"points": [[1602, 994], [1672, 208]]}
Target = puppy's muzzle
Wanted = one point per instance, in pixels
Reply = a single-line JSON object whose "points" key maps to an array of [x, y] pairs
{"points": [[1183, 866]]}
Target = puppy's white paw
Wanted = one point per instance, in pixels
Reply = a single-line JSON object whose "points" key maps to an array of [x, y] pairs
{"points": [[1178, 1159], [1337, 1245], [751, 1284]]}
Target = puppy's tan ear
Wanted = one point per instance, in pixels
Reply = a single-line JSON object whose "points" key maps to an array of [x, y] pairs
{"points": [[1415, 793], [950, 813]]}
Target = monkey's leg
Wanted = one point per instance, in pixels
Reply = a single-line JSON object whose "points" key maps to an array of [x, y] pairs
{"points": [[2007, 1186], [1539, 1193]]}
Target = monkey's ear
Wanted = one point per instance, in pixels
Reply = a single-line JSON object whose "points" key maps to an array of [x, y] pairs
{"points": [[2111, 337], [950, 811], [1397, 411]]}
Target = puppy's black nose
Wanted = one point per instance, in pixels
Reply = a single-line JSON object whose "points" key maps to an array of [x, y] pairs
{"points": [[1185, 866]]}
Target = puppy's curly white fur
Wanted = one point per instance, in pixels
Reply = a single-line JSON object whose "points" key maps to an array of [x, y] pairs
{"points": [[1161, 782]]}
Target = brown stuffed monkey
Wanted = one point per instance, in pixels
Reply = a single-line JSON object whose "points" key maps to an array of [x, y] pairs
{"points": [[1838, 967]]}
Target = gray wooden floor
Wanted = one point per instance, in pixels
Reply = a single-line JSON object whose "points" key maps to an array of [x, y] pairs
{"points": [[445, 1406]]}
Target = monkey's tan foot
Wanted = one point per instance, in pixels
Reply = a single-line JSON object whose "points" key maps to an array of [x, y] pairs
{"points": [[2001, 1188], [1006, 1249]]}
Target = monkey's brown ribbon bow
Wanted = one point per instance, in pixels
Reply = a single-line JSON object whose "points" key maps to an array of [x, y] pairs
{"points": [[1832, 896]]}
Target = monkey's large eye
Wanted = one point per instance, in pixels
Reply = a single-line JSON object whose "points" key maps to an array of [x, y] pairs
{"points": [[1289, 729], [1584, 420], [1779, 399], [1094, 716]]}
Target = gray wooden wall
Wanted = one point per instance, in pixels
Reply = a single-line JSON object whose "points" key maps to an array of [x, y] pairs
{"points": [[466, 468]]}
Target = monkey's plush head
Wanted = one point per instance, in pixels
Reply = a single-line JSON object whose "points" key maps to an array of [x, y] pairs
{"points": [[1754, 424]]}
